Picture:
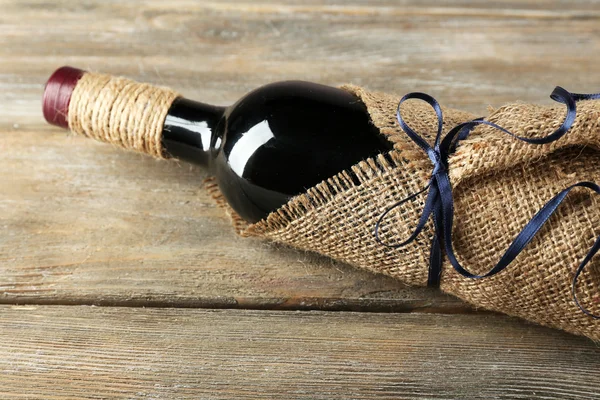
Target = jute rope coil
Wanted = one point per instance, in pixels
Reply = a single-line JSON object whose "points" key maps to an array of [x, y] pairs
{"points": [[120, 111]]}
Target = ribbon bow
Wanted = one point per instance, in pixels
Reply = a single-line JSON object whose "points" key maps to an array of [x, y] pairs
{"points": [[440, 204]]}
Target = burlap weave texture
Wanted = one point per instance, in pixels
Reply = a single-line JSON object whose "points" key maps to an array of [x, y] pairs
{"points": [[499, 183]]}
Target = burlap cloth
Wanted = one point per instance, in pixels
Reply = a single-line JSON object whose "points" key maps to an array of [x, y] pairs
{"points": [[498, 182]]}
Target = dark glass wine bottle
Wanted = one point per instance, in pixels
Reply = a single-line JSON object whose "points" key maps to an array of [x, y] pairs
{"points": [[274, 143]]}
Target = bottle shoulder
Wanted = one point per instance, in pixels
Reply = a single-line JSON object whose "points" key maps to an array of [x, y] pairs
{"points": [[298, 109], [273, 94]]}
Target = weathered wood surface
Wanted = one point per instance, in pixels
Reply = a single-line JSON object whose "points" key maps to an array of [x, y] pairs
{"points": [[83, 223], [87, 224], [100, 352]]}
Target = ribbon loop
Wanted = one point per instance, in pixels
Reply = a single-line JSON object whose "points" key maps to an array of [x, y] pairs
{"points": [[439, 204]]}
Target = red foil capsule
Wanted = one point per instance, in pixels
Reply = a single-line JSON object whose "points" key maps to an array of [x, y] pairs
{"points": [[57, 95]]}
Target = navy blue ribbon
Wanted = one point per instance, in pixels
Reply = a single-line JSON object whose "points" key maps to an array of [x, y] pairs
{"points": [[439, 203]]}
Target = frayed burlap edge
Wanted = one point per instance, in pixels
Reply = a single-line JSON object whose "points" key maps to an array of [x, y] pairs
{"points": [[211, 186], [406, 154]]}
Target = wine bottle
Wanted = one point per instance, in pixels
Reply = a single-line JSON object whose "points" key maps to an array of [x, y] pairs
{"points": [[274, 143]]}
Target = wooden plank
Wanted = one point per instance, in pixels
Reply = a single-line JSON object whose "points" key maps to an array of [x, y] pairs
{"points": [[470, 54], [83, 223], [98, 352]]}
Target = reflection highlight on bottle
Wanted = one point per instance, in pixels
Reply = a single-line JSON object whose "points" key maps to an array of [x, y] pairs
{"points": [[247, 145]]}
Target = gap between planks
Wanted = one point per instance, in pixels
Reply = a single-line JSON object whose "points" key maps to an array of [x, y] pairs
{"points": [[365, 305]]}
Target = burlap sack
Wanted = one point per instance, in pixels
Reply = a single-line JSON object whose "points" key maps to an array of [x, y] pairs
{"points": [[498, 182]]}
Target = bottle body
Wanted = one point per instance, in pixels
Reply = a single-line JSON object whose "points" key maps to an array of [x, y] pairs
{"points": [[274, 143]]}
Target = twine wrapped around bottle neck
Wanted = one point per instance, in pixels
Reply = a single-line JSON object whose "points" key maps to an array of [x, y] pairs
{"points": [[120, 111]]}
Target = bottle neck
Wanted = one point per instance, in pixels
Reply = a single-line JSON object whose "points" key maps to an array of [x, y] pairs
{"points": [[190, 130]]}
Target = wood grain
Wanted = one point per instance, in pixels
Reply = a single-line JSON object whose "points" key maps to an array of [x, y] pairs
{"points": [[85, 223], [82, 223], [467, 53], [101, 352]]}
